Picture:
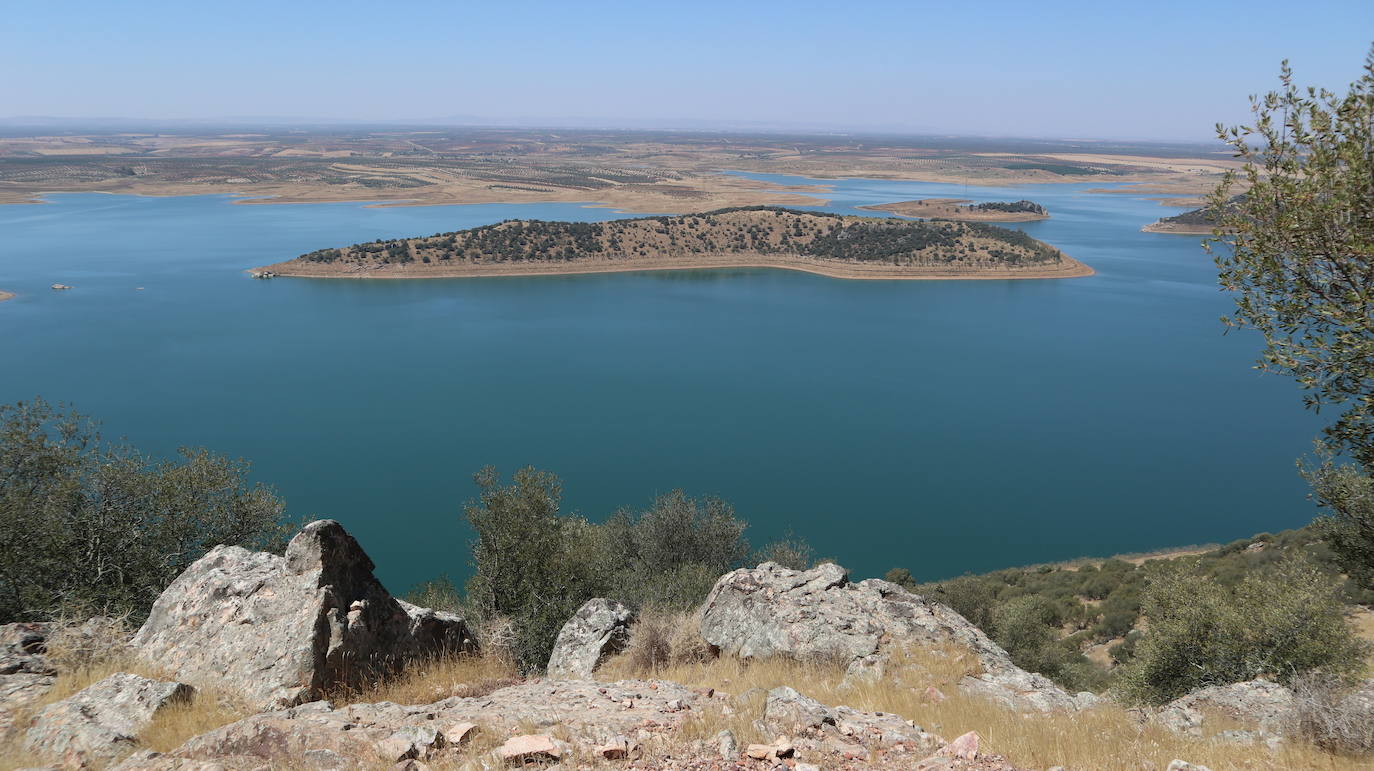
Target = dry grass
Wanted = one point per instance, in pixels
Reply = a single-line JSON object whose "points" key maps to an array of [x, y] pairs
{"points": [[85, 654], [1108, 737], [429, 681]]}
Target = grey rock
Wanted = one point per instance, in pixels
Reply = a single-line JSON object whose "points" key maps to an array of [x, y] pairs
{"points": [[18, 694], [1265, 705], [728, 745], [786, 711], [102, 722], [22, 647], [774, 611], [1183, 765], [284, 630], [600, 628]]}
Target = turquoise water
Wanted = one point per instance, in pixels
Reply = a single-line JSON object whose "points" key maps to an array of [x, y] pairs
{"points": [[944, 426]]}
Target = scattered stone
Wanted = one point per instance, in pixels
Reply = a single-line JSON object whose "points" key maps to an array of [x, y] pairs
{"points": [[618, 748], [284, 630], [410, 765], [530, 748], [100, 723], [934, 695], [963, 748], [729, 748], [600, 628], [760, 751], [1183, 765], [412, 742], [460, 734], [786, 709], [774, 611]]}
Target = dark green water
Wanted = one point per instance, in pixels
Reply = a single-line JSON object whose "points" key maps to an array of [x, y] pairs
{"points": [[945, 426]]}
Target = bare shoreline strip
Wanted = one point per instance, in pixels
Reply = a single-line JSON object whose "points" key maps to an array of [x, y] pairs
{"points": [[1071, 268], [1170, 229]]}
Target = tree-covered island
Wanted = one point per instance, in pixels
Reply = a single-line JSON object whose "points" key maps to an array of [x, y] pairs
{"points": [[758, 236]]}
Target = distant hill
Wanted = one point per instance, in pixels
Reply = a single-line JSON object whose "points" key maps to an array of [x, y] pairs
{"points": [[843, 246]]}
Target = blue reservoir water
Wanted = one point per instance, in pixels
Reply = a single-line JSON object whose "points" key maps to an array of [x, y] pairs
{"points": [[943, 426]]}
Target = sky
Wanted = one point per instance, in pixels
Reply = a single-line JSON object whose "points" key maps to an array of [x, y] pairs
{"points": [[1145, 70]]}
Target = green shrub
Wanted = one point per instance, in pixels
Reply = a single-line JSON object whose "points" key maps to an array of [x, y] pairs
{"points": [[536, 566], [1279, 622], [88, 527]]}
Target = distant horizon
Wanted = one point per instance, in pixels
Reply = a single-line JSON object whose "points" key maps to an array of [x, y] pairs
{"points": [[99, 123], [1166, 72]]}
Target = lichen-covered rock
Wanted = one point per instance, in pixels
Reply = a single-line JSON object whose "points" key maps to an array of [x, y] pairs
{"points": [[774, 611], [600, 628], [284, 630], [102, 722], [1264, 704]]}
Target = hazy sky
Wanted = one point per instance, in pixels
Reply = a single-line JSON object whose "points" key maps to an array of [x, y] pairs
{"points": [[1167, 70]]}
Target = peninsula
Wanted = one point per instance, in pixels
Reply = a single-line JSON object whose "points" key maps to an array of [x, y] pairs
{"points": [[6, 295], [757, 236], [964, 210], [1198, 222]]}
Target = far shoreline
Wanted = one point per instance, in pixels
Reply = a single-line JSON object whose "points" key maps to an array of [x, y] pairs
{"points": [[830, 269]]}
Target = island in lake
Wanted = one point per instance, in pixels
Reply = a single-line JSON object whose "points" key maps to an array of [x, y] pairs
{"points": [[964, 210], [834, 245], [5, 295]]}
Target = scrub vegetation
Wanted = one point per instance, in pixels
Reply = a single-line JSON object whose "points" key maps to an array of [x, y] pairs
{"points": [[756, 230]]}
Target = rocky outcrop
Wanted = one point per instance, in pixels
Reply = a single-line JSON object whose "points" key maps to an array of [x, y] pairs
{"points": [[774, 611], [26, 675], [590, 715], [598, 629], [22, 649], [286, 630], [1263, 704], [631, 720], [101, 722]]}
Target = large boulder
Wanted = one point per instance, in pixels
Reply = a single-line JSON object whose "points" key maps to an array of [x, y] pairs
{"points": [[774, 611], [1260, 704], [598, 629], [102, 722], [286, 630]]}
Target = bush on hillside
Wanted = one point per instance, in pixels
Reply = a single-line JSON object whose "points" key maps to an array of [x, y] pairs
{"points": [[1348, 529], [536, 566], [1279, 622], [88, 527]]}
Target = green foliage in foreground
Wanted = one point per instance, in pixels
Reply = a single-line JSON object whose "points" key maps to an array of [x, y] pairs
{"points": [[1279, 622], [1301, 243], [90, 527], [535, 566]]}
